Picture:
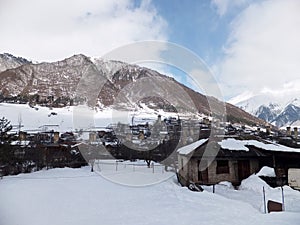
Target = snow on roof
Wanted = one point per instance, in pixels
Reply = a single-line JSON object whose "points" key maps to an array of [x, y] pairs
{"points": [[241, 145], [233, 144], [267, 172], [185, 150], [21, 143]]}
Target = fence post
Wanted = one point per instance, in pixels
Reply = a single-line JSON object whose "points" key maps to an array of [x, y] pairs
{"points": [[152, 167], [214, 190], [116, 165], [282, 196], [98, 166], [264, 195], [92, 165]]}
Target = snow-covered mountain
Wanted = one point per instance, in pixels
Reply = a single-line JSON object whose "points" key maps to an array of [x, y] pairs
{"points": [[71, 80], [8, 61], [280, 110]]}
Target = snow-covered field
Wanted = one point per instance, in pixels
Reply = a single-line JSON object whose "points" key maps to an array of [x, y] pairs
{"points": [[74, 117], [59, 119], [77, 196], [130, 173]]}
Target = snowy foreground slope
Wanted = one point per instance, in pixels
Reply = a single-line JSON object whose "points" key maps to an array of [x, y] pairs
{"points": [[77, 197]]}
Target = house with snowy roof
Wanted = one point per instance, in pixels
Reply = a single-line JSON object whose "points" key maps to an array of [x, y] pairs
{"points": [[210, 161]]}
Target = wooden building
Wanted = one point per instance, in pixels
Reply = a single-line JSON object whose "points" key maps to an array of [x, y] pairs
{"points": [[208, 162], [231, 159]]}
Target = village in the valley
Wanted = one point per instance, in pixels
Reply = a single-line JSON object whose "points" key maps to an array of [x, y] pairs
{"points": [[150, 112], [201, 151]]}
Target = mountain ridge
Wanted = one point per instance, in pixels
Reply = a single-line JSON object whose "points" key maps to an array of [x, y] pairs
{"points": [[8, 61], [281, 111], [57, 82]]}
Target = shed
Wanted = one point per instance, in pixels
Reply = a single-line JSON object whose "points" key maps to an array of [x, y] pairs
{"points": [[215, 160]]}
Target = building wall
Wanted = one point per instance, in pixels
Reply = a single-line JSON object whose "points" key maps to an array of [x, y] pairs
{"points": [[232, 176], [188, 169], [254, 166], [183, 166]]}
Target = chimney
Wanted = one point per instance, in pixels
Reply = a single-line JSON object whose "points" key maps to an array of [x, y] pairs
{"points": [[288, 131], [206, 121], [22, 136], [56, 137], [217, 123], [268, 130], [296, 132], [128, 137], [159, 119], [92, 136], [141, 135]]}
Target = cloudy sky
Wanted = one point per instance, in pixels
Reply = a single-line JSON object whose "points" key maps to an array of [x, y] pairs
{"points": [[252, 46]]}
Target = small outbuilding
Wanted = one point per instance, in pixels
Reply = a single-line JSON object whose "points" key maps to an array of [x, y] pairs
{"points": [[210, 161]]}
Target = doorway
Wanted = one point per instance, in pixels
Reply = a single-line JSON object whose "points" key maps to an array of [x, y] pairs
{"points": [[243, 169], [203, 175]]}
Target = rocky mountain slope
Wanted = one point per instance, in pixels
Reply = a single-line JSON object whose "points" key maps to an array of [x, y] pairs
{"points": [[8, 61], [73, 80]]}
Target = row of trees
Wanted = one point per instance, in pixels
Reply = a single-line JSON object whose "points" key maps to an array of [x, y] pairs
{"points": [[5, 127], [6, 153], [16, 159], [36, 99]]}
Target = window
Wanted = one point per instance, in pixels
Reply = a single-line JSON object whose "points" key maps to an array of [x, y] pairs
{"points": [[222, 166]]}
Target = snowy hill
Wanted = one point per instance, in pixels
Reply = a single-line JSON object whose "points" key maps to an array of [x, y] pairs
{"points": [[280, 110], [77, 196]]}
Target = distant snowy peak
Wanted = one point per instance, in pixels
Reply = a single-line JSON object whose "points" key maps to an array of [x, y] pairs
{"points": [[253, 103], [266, 113], [8, 61], [281, 110], [295, 102], [289, 116]]}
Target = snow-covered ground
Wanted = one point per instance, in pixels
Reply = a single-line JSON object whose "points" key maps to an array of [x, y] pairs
{"points": [[77, 196], [251, 192], [74, 117], [40, 118], [129, 173]]}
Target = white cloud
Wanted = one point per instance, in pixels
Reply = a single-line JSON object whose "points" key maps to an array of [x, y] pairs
{"points": [[223, 6], [54, 29], [291, 88], [263, 50], [242, 97]]}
